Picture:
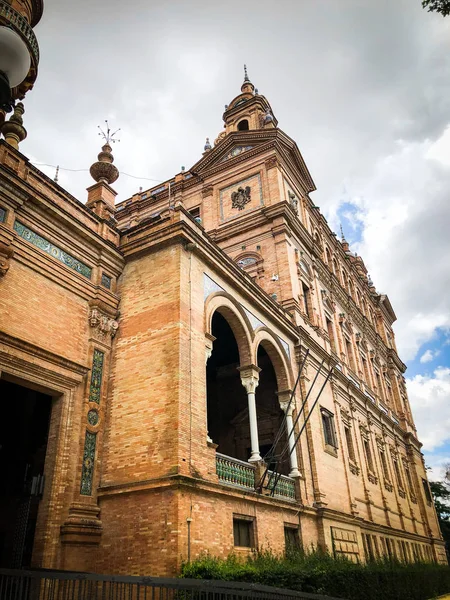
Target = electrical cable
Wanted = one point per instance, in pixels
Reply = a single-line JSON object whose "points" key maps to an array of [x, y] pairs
{"points": [[87, 170]]}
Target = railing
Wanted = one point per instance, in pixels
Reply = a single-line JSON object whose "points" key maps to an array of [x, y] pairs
{"points": [[235, 472], [21, 26], [65, 585], [285, 487]]}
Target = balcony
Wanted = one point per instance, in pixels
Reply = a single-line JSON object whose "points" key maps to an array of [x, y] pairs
{"points": [[240, 474], [11, 18]]}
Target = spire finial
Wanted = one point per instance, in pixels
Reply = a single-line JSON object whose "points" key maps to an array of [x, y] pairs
{"points": [[56, 174], [207, 146], [247, 86], [342, 234], [103, 170]]}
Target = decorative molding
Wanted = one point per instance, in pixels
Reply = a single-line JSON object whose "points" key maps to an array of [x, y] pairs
{"points": [[271, 162], [102, 323], [6, 252], [43, 244]]}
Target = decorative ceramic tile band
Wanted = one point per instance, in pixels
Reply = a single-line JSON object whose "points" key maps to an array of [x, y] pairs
{"points": [[46, 246], [87, 472], [2, 215], [96, 376]]}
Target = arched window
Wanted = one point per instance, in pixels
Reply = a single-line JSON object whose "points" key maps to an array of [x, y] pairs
{"points": [[335, 268], [243, 125], [358, 299], [328, 258]]}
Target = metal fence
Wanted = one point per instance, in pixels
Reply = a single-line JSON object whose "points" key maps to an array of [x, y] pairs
{"points": [[64, 585]]}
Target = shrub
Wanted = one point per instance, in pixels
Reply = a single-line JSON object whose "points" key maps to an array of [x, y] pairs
{"points": [[320, 573]]}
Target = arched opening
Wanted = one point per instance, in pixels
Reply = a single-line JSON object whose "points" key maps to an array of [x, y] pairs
{"points": [[227, 406], [243, 125], [24, 427], [270, 416]]}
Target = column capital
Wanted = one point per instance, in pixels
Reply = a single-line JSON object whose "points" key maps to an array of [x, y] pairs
{"points": [[249, 377], [284, 398]]}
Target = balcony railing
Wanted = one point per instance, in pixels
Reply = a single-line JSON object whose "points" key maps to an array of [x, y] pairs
{"points": [[235, 472], [241, 474], [21, 26], [285, 488]]}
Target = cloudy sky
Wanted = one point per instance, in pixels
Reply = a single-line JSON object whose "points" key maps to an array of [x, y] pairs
{"points": [[362, 86]]}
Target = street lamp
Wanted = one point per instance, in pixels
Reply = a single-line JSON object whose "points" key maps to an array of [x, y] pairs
{"points": [[15, 64]]}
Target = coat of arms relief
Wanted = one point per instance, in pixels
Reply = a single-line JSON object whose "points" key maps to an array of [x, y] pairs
{"points": [[241, 197]]}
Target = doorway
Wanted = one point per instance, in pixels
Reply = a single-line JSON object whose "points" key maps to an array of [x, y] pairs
{"points": [[24, 427]]}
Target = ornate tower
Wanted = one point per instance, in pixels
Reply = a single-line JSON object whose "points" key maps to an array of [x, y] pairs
{"points": [[19, 50]]}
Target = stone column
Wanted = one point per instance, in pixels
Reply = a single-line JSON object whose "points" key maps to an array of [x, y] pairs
{"points": [[250, 380], [284, 398]]}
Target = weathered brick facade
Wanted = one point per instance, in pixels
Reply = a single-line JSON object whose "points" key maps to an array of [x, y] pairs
{"points": [[113, 312]]}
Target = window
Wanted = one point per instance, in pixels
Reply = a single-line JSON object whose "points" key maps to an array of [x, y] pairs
{"points": [[350, 447], [368, 454], [426, 489], [306, 292], [384, 464], [328, 257], [330, 331], [349, 351], [328, 429], [243, 125], [243, 532], [408, 477], [195, 212], [398, 477], [291, 538], [368, 548], [366, 371]]}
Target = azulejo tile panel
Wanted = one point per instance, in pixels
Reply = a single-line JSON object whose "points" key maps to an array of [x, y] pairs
{"points": [[2, 215], [43, 244], [106, 281], [96, 376], [87, 472]]}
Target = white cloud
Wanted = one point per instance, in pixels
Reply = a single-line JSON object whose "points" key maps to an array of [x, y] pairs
{"points": [[430, 402], [429, 355]]}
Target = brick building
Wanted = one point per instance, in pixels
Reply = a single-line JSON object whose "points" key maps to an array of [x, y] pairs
{"points": [[149, 351]]}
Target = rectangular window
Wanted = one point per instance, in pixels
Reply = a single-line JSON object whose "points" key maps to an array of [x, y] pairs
{"points": [[291, 538], [349, 352], [243, 532], [368, 454], [306, 299], [384, 464], [366, 371], [195, 212], [408, 477], [330, 331], [350, 447], [426, 489], [398, 476], [328, 428], [379, 384]]}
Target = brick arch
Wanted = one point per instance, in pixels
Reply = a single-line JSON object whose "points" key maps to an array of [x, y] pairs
{"points": [[236, 318], [277, 355]]}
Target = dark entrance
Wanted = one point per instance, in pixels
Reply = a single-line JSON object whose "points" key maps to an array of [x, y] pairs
{"points": [[24, 425]]}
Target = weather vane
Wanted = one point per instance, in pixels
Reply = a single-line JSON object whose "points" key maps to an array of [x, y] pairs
{"points": [[108, 136]]}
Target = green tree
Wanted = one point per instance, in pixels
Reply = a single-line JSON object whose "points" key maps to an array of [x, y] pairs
{"points": [[441, 495], [440, 6]]}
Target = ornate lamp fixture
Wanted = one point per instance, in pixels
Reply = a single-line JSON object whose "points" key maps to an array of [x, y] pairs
{"points": [[19, 51]]}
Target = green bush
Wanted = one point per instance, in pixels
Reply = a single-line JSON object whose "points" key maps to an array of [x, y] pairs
{"points": [[320, 573]]}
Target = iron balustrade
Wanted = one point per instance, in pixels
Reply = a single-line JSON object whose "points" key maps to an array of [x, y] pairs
{"points": [[235, 472], [66, 585], [10, 17]]}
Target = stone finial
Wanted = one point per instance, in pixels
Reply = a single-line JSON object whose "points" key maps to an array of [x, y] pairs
{"points": [[103, 170], [207, 145], [13, 130]]}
